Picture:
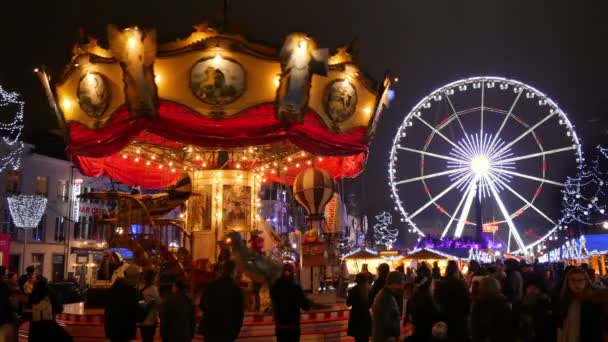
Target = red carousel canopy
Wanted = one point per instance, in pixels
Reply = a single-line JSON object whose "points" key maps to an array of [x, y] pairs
{"points": [[143, 114]]}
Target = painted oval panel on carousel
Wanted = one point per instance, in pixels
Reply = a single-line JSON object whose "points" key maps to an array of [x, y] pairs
{"points": [[93, 94], [340, 100], [217, 80]]}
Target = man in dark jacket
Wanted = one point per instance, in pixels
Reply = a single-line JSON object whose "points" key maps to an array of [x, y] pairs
{"points": [[29, 271], [379, 283], [223, 307], [452, 295], [287, 300], [177, 322], [121, 308], [386, 320]]}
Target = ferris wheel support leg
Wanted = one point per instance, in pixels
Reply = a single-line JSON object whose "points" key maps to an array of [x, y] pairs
{"points": [[467, 207], [505, 213]]}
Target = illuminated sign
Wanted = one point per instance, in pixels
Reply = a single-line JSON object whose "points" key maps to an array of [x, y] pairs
{"points": [[75, 201]]}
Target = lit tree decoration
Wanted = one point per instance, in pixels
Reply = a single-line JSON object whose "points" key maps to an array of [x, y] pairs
{"points": [[384, 234], [11, 131], [585, 196], [26, 210]]}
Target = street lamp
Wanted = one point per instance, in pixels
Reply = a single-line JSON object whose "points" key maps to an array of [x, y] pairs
{"points": [[26, 211], [605, 224]]}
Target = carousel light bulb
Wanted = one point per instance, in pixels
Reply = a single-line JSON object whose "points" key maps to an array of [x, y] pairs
{"points": [[137, 160], [217, 59], [138, 151], [160, 166], [238, 165], [308, 162], [298, 165], [170, 163], [173, 170], [275, 164], [124, 156], [320, 159], [204, 164], [303, 154], [289, 159], [284, 168], [66, 104], [153, 157], [273, 171], [198, 157], [367, 110], [148, 163]]}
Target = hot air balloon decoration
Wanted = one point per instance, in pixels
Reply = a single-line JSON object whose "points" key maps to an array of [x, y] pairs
{"points": [[313, 188]]}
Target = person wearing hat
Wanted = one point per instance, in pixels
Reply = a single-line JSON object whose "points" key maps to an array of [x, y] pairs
{"points": [[287, 300], [359, 320], [385, 326]]}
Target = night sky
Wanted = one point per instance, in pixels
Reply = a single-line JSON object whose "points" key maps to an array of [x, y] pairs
{"points": [[559, 47]]}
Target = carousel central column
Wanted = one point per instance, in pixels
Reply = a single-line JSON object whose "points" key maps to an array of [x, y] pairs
{"points": [[222, 201]]}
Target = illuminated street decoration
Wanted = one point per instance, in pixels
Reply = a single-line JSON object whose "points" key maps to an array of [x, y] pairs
{"points": [[11, 106], [489, 142], [384, 234], [26, 210]]}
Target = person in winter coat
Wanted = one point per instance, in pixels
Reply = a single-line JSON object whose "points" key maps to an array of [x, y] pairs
{"points": [[379, 283], [177, 318], [491, 317], [8, 316], [151, 298], [223, 308], [535, 321], [45, 305], [452, 297], [287, 300], [359, 320], [581, 309], [386, 321], [422, 311], [121, 308]]}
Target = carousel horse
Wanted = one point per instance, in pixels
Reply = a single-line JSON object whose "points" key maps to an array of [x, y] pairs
{"points": [[255, 265]]}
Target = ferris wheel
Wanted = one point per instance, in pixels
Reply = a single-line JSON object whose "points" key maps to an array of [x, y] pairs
{"points": [[483, 149]]}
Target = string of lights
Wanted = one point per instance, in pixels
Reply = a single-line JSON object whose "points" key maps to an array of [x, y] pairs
{"points": [[11, 131]]}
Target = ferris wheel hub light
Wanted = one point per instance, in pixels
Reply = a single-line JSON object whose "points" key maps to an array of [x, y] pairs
{"points": [[480, 165]]}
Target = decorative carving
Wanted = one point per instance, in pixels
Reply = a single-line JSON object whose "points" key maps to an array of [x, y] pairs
{"points": [[299, 61], [136, 51]]}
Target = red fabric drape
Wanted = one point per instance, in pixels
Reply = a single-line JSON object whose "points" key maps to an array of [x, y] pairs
{"points": [[96, 151]]}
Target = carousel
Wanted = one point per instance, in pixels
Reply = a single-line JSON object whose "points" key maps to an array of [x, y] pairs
{"points": [[220, 114]]}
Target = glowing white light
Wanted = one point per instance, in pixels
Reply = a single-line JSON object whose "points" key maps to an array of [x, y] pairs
{"points": [[605, 224], [480, 165], [26, 210]]}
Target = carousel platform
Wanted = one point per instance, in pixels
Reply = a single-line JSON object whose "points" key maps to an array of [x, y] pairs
{"points": [[329, 325]]}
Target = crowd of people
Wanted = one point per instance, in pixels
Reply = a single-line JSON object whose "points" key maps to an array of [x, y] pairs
{"points": [[29, 297], [491, 303]]}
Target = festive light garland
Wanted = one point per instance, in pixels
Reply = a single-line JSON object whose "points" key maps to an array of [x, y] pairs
{"points": [[384, 234], [11, 132], [26, 210], [585, 196]]}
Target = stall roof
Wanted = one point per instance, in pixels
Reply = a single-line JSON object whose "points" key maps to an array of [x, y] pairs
{"points": [[362, 253], [428, 253]]}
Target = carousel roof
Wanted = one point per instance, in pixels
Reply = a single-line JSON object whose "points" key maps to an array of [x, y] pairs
{"points": [[142, 113]]}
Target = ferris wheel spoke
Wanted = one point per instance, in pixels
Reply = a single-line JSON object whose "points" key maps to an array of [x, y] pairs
{"points": [[440, 134], [507, 217], [430, 154], [542, 180], [467, 207], [504, 121], [453, 216], [523, 199], [431, 175], [482, 100], [543, 120], [447, 97], [543, 153], [440, 195]]}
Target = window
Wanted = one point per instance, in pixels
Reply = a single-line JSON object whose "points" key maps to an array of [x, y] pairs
{"points": [[60, 229], [62, 190], [42, 185], [38, 232], [38, 261], [13, 181], [8, 227]]}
